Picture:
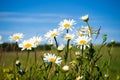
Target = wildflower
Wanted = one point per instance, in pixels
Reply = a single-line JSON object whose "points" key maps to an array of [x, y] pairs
{"points": [[27, 44], [18, 63], [6, 70], [21, 71], [77, 53], [69, 36], [112, 41], [51, 58], [65, 68], [106, 75], [52, 34], [67, 24], [85, 30], [60, 47], [36, 40], [16, 37], [83, 41], [85, 18], [79, 78], [10, 76], [51, 42]]}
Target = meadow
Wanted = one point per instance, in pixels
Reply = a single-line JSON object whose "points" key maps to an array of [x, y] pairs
{"points": [[8, 58], [75, 57]]}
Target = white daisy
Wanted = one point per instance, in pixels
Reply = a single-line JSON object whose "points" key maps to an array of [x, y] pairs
{"points": [[85, 18], [51, 58], [60, 47], [36, 40], [83, 41], [69, 36], [79, 78], [27, 44], [67, 24], [65, 68], [85, 30], [52, 34], [16, 37]]}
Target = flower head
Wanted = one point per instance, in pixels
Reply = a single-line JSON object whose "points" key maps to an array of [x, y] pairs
{"points": [[16, 37], [36, 40], [52, 34], [85, 18], [65, 68], [79, 78], [51, 58], [27, 44], [67, 24], [83, 41], [69, 36], [17, 63], [60, 47]]}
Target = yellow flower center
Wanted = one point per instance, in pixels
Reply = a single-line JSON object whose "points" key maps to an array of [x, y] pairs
{"points": [[16, 37], [28, 45], [53, 35], [82, 42], [36, 41], [80, 34], [52, 59], [67, 25]]}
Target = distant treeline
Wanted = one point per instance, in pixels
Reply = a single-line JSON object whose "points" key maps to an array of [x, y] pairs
{"points": [[13, 47]]}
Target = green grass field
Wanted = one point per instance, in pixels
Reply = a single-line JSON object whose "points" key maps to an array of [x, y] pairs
{"points": [[7, 59]]}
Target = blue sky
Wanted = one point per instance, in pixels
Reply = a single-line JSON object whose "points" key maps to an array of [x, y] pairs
{"points": [[36, 17]]}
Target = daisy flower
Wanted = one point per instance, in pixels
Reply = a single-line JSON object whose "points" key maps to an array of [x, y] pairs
{"points": [[27, 44], [79, 78], [16, 37], [52, 34], [69, 36], [51, 58], [85, 30], [60, 47], [85, 18], [67, 24], [36, 40], [83, 41], [65, 68]]}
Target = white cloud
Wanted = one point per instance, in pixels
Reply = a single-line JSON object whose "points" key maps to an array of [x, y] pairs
{"points": [[31, 17]]}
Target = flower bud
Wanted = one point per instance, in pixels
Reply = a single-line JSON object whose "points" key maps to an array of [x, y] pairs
{"points": [[18, 63], [85, 18], [65, 68], [112, 41]]}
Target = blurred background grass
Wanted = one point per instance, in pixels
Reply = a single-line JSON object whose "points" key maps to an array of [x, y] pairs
{"points": [[7, 58]]}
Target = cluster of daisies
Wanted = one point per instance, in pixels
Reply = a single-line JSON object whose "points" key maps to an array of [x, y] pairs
{"points": [[82, 39]]}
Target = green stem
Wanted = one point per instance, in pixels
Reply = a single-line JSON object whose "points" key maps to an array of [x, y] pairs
{"points": [[16, 46], [67, 51], [56, 42], [89, 29]]}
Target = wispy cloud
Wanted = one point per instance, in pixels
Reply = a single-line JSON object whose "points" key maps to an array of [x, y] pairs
{"points": [[31, 17]]}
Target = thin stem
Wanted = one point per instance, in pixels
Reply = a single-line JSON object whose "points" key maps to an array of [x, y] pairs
{"points": [[67, 31], [56, 42], [89, 28], [67, 51]]}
